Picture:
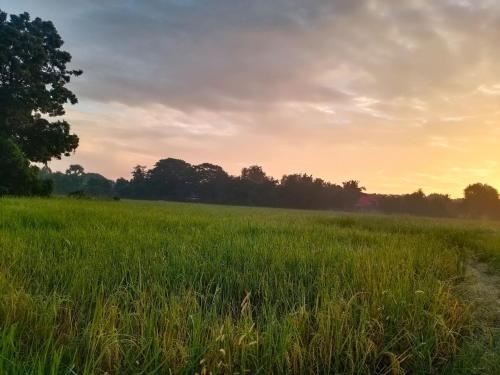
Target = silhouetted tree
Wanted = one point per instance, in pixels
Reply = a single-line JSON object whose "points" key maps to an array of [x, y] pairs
{"points": [[351, 193], [139, 187], [139, 174], [122, 188], [211, 183], [73, 180], [331, 196], [440, 205], [418, 203], [298, 190], [175, 179], [255, 188], [481, 200], [98, 186], [255, 174], [75, 170], [33, 78], [76, 182], [172, 179]]}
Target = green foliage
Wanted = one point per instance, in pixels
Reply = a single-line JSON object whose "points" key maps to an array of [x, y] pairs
{"points": [[177, 180], [76, 181], [33, 78], [418, 203], [43, 140], [98, 186], [17, 177], [122, 287]]}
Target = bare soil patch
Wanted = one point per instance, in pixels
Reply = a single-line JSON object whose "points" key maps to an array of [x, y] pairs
{"points": [[484, 289]]}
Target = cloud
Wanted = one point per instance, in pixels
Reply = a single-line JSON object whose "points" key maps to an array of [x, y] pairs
{"points": [[312, 79], [243, 55], [489, 89]]}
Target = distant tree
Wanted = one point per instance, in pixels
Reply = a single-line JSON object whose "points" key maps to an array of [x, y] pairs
{"points": [[208, 173], [351, 193], [121, 188], [172, 179], [305, 191], [416, 203], [298, 190], [75, 170], [139, 184], [255, 174], [481, 200], [175, 179], [139, 174], [76, 180], [98, 186], [33, 78], [440, 205], [73, 180], [211, 183], [255, 187], [332, 196]]}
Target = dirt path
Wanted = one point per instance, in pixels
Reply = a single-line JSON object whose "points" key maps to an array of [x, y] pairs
{"points": [[484, 288]]}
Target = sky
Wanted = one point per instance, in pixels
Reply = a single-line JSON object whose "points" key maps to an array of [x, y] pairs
{"points": [[400, 95]]}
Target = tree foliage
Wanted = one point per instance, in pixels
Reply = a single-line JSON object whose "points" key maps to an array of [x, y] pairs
{"points": [[76, 181], [418, 203], [33, 79], [17, 177], [175, 179], [481, 200]]}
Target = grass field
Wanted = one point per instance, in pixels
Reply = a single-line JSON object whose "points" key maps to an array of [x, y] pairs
{"points": [[136, 287]]}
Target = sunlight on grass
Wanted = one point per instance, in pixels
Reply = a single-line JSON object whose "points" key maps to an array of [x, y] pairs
{"points": [[125, 287]]}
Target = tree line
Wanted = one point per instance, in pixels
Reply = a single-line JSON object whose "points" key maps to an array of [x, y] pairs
{"points": [[33, 91], [479, 201], [177, 180]]}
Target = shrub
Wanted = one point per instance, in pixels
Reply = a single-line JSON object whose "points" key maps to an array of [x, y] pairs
{"points": [[17, 177]]}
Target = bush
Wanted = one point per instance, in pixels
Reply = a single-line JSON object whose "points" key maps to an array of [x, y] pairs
{"points": [[17, 177]]}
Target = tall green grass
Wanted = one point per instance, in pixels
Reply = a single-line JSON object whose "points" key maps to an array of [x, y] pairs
{"points": [[126, 287]]}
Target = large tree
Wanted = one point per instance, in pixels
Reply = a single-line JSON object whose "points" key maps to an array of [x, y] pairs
{"points": [[33, 79], [172, 179]]}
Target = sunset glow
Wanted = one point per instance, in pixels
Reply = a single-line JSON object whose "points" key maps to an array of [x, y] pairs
{"points": [[400, 95]]}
